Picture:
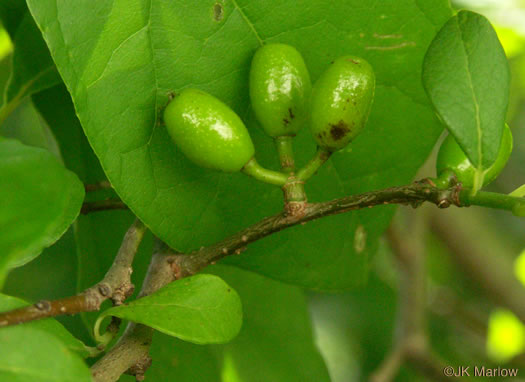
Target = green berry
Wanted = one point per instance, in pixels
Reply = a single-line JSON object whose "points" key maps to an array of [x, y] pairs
{"points": [[341, 101], [207, 131], [452, 158], [279, 89]]}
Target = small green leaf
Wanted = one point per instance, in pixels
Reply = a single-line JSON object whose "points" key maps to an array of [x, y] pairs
{"points": [[32, 355], [275, 343], [466, 76], [200, 309], [49, 325], [39, 199]]}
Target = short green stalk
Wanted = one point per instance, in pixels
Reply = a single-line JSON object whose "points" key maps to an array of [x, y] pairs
{"points": [[294, 191], [255, 170], [321, 156], [285, 151], [491, 200]]}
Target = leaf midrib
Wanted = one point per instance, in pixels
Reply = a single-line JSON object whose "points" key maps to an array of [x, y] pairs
{"points": [[474, 97]]}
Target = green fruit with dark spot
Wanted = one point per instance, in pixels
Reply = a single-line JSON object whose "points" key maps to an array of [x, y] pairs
{"points": [[452, 158], [341, 102], [279, 89], [207, 131]]}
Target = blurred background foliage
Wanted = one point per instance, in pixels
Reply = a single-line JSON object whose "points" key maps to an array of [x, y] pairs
{"points": [[355, 330]]}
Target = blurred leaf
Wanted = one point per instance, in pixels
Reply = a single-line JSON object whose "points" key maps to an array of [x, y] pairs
{"points": [[200, 309], [6, 46], [178, 360], [31, 355], [49, 325], [275, 342], [38, 192], [32, 282], [11, 14], [512, 42], [506, 336], [466, 75], [519, 267], [27, 126], [122, 58], [33, 68], [519, 192]]}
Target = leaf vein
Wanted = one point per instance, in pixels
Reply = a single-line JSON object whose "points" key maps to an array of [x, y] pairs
{"points": [[247, 20]]}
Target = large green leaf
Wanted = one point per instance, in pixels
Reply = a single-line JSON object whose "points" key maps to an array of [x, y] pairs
{"points": [[202, 309], [39, 199], [275, 343], [467, 77], [120, 59], [32, 355], [49, 325]]}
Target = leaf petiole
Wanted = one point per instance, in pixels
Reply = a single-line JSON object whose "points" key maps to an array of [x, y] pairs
{"points": [[321, 156], [285, 151], [255, 170]]}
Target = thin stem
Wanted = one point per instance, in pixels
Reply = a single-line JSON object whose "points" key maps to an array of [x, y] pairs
{"points": [[315, 163], [130, 353], [116, 285], [413, 194], [102, 185], [490, 199], [412, 341], [285, 150], [255, 170], [8, 108], [102, 205]]}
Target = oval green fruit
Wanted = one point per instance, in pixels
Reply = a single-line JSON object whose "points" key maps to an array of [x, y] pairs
{"points": [[207, 131], [452, 158], [341, 101], [279, 89]]}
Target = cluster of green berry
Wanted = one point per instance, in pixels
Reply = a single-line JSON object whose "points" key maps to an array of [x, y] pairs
{"points": [[212, 135]]}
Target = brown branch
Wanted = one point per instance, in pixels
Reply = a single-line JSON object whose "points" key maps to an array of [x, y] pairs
{"points": [[411, 344], [186, 265], [413, 194], [492, 273], [102, 185], [116, 285], [131, 353], [103, 205]]}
